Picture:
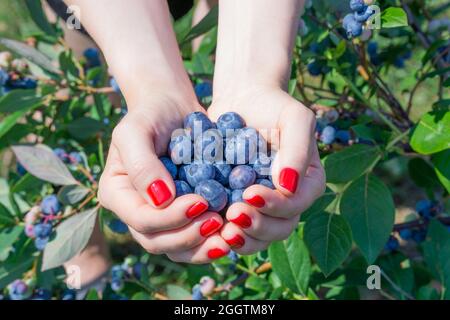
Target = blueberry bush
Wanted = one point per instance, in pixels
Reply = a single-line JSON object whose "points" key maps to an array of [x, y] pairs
{"points": [[375, 73]]}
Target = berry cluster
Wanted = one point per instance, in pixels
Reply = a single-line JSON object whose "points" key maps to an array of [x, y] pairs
{"points": [[376, 58], [327, 131], [130, 267], [204, 288], [197, 155], [354, 21], [73, 157], [13, 74], [39, 221]]}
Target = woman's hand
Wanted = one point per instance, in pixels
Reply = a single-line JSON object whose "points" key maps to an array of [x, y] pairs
{"points": [[136, 186], [270, 215]]}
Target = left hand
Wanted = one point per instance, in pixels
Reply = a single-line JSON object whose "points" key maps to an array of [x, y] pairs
{"points": [[271, 215]]}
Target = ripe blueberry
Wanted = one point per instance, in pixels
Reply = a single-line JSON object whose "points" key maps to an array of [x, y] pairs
{"points": [[170, 166], [208, 147], [40, 243], [357, 5], [236, 196], [197, 123], [328, 135], [42, 230], [222, 173], [203, 90], [117, 226], [50, 205], [182, 188], [242, 177], [198, 172], [241, 149], [265, 182], [213, 192], [230, 121], [262, 165], [181, 149]]}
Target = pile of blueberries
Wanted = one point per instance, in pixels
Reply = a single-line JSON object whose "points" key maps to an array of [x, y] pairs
{"points": [[354, 21], [39, 220], [327, 132], [219, 160]]}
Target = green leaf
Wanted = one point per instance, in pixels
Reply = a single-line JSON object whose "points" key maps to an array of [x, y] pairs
{"points": [[422, 173], [394, 17], [18, 100], [258, 284], [350, 163], [14, 269], [39, 17], [8, 236], [26, 183], [437, 255], [432, 133], [398, 269], [72, 235], [291, 262], [41, 162], [329, 239], [10, 121], [175, 292], [70, 195], [202, 64], [141, 296], [206, 24], [441, 163], [319, 205], [30, 54], [84, 128], [6, 218], [368, 207]]}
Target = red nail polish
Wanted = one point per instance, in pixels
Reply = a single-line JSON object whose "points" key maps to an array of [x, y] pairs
{"points": [[289, 179], [196, 210], [159, 192], [242, 220], [236, 242], [216, 253], [209, 227], [256, 201]]}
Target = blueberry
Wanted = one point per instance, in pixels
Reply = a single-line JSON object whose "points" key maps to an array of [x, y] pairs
{"points": [[92, 56], [170, 166], [407, 55], [69, 294], [392, 244], [117, 272], [182, 173], [19, 287], [182, 188], [40, 243], [241, 149], [203, 90], [265, 182], [262, 165], [236, 196], [241, 177], [364, 14], [233, 256], [351, 26], [60, 153], [208, 147], [117, 285], [424, 208], [228, 191], [42, 294], [229, 122], [213, 192], [314, 68], [181, 148], [419, 235], [20, 169], [25, 83], [357, 5], [4, 77], [372, 48], [42, 230], [222, 173], [117, 226], [197, 293], [253, 135], [114, 85], [50, 205], [343, 136], [197, 123], [399, 62], [198, 172], [328, 135], [75, 157], [405, 234]]}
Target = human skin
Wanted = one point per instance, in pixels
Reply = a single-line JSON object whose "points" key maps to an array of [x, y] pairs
{"points": [[253, 61]]}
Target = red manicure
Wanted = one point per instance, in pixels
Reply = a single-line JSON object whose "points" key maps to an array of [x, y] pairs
{"points": [[289, 179], [209, 227], [242, 220], [216, 253], [256, 201], [159, 192], [236, 242], [196, 210]]}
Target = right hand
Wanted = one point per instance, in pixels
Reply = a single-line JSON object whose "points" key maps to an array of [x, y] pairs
{"points": [[136, 186]]}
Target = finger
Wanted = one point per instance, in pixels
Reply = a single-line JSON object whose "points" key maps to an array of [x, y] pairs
{"points": [[213, 248], [147, 174], [259, 226], [183, 238], [239, 241], [296, 126], [117, 194], [276, 204]]}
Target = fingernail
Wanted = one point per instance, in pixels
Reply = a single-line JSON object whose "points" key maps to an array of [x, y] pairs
{"points": [[289, 179], [256, 201], [242, 220], [216, 253], [159, 192], [196, 210], [236, 242], [209, 227]]}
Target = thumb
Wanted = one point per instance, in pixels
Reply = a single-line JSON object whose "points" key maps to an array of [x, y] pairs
{"points": [[296, 126]]}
